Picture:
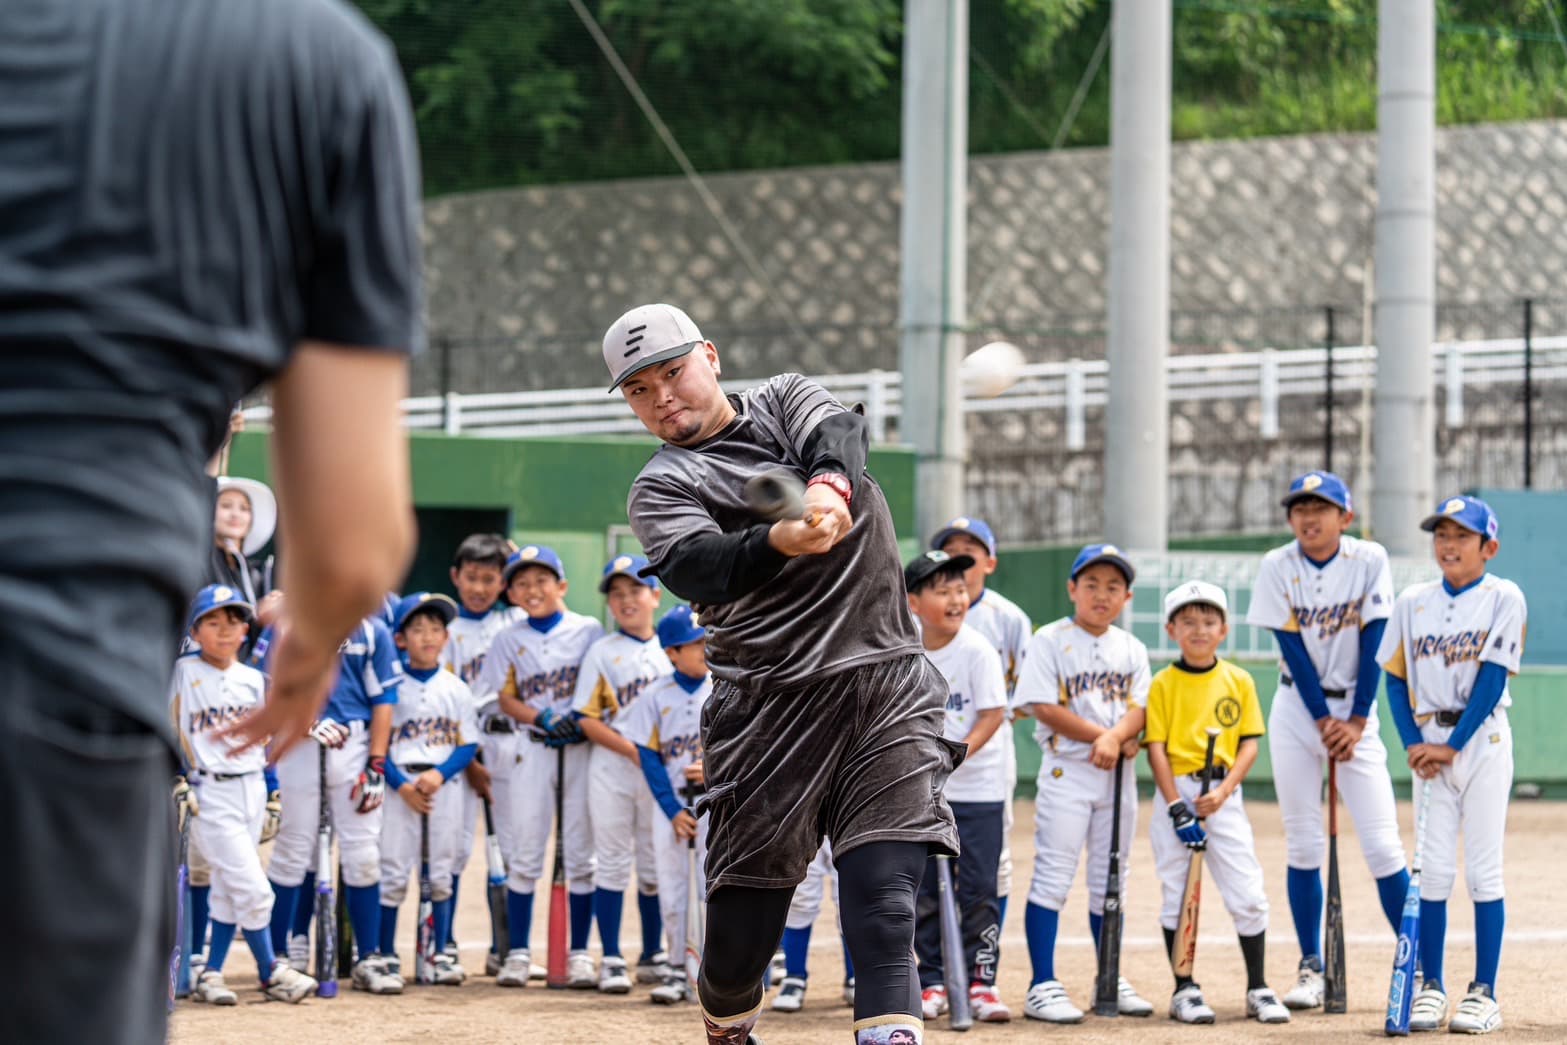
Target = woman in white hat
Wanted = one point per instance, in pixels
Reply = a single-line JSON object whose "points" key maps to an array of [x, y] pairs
{"points": [[245, 517]]}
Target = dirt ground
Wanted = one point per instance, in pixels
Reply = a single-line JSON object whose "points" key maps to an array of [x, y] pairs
{"points": [[481, 1012]]}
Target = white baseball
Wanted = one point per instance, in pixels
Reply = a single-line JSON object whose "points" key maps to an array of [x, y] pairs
{"points": [[992, 369]]}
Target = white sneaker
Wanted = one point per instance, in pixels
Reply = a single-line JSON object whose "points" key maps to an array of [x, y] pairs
{"points": [[1187, 1006], [654, 970], [1265, 1007], [198, 965], [211, 989], [581, 974], [1308, 989], [288, 984], [779, 967], [673, 991], [1478, 1013], [933, 1001], [537, 972], [987, 1004], [1047, 1001], [848, 992], [613, 978], [1429, 1009], [374, 974], [299, 952], [448, 970], [791, 996], [1129, 1003], [514, 970]]}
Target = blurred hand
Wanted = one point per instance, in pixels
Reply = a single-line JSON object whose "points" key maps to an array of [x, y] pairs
{"points": [[694, 773], [1105, 752], [478, 778], [303, 670], [417, 800], [429, 782], [685, 825]]}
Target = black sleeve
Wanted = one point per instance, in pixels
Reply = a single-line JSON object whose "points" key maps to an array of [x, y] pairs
{"points": [[716, 568], [839, 443]]}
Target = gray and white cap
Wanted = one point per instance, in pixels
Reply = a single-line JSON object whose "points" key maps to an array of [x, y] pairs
{"points": [[646, 336]]}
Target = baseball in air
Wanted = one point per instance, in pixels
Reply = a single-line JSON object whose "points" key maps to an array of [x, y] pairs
{"points": [[991, 369]]}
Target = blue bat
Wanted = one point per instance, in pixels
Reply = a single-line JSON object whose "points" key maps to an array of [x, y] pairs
{"points": [[1401, 992]]}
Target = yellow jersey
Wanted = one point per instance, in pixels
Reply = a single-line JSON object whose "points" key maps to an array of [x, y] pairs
{"points": [[1183, 704]]}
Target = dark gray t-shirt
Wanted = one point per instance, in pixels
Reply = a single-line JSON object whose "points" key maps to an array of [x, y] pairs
{"points": [[823, 613], [187, 190]]}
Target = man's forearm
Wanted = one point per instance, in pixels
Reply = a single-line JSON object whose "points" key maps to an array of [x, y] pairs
{"points": [[715, 568]]}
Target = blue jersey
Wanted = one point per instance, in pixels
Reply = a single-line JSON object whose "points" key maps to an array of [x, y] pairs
{"points": [[368, 673]]}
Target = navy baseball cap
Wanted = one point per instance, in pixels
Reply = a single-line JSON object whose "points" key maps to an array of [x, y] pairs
{"points": [[216, 597], [1109, 553], [678, 627], [533, 555], [920, 568], [423, 600], [1325, 486], [1469, 512], [968, 526], [628, 566], [647, 336]]}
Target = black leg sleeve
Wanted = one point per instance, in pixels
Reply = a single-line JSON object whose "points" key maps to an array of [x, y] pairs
{"points": [[744, 926], [877, 883]]}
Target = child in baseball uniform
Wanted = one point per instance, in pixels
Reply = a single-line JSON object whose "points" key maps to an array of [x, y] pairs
{"points": [[1450, 647], [665, 725], [434, 737], [349, 753], [477, 576], [976, 790], [1007, 628], [211, 691], [1086, 682], [1198, 692], [804, 906], [532, 669], [1326, 597], [617, 668]]}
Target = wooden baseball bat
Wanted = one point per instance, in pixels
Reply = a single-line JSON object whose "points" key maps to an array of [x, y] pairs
{"points": [[960, 1015], [1335, 995], [1107, 985], [1185, 955], [560, 911]]}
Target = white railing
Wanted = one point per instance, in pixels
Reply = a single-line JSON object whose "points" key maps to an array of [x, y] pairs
{"points": [[1269, 376]]}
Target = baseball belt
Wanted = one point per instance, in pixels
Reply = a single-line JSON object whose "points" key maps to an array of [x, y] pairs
{"points": [[1331, 694]]}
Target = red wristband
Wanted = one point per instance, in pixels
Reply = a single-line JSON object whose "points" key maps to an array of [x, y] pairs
{"points": [[837, 482]]}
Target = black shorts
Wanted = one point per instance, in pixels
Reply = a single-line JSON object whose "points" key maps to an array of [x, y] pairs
{"points": [[857, 756]]}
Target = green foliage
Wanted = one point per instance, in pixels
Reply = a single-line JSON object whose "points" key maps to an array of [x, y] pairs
{"points": [[515, 92]]}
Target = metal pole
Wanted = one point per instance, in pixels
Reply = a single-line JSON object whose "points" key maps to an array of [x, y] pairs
{"points": [[1405, 271], [1137, 441], [445, 346], [1327, 430], [933, 277], [1528, 393]]}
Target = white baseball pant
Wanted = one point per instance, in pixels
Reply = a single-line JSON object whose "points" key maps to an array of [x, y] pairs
{"points": [[229, 827], [358, 834], [1231, 859], [1074, 807]]}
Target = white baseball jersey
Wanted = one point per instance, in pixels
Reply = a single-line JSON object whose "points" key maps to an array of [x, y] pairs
{"points": [[617, 668], [433, 718], [668, 719], [540, 667], [1095, 677], [1006, 627], [975, 683], [468, 639], [1436, 640], [1327, 605], [203, 701]]}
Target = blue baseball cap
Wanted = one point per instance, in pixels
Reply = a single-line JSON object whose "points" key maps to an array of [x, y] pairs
{"points": [[216, 597], [678, 627], [533, 555], [968, 526], [1469, 512], [1325, 486], [409, 604], [1109, 553], [628, 566]]}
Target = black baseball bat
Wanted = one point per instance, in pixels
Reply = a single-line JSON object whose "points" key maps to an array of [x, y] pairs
{"points": [[500, 919], [424, 958], [325, 915], [1334, 994], [954, 969], [1107, 986]]}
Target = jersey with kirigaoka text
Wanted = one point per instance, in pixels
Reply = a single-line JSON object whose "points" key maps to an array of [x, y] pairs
{"points": [[205, 700], [540, 668], [1437, 639], [1095, 677], [668, 719], [468, 640], [433, 718], [617, 668], [1006, 626]]}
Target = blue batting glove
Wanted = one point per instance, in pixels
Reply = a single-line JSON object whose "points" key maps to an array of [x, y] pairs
{"points": [[1187, 829]]}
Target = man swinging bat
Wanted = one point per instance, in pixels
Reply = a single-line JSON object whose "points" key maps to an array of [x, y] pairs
{"points": [[825, 715]]}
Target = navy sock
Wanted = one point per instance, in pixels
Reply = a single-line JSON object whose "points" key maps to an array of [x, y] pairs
{"points": [[519, 919], [443, 920], [1096, 924], [848, 963], [1305, 893], [200, 901], [1391, 891], [607, 907], [797, 949], [443, 940], [218, 952], [1490, 920], [364, 914], [1040, 925], [388, 933], [581, 907], [652, 923], [284, 899], [306, 908], [260, 941], [1433, 939]]}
